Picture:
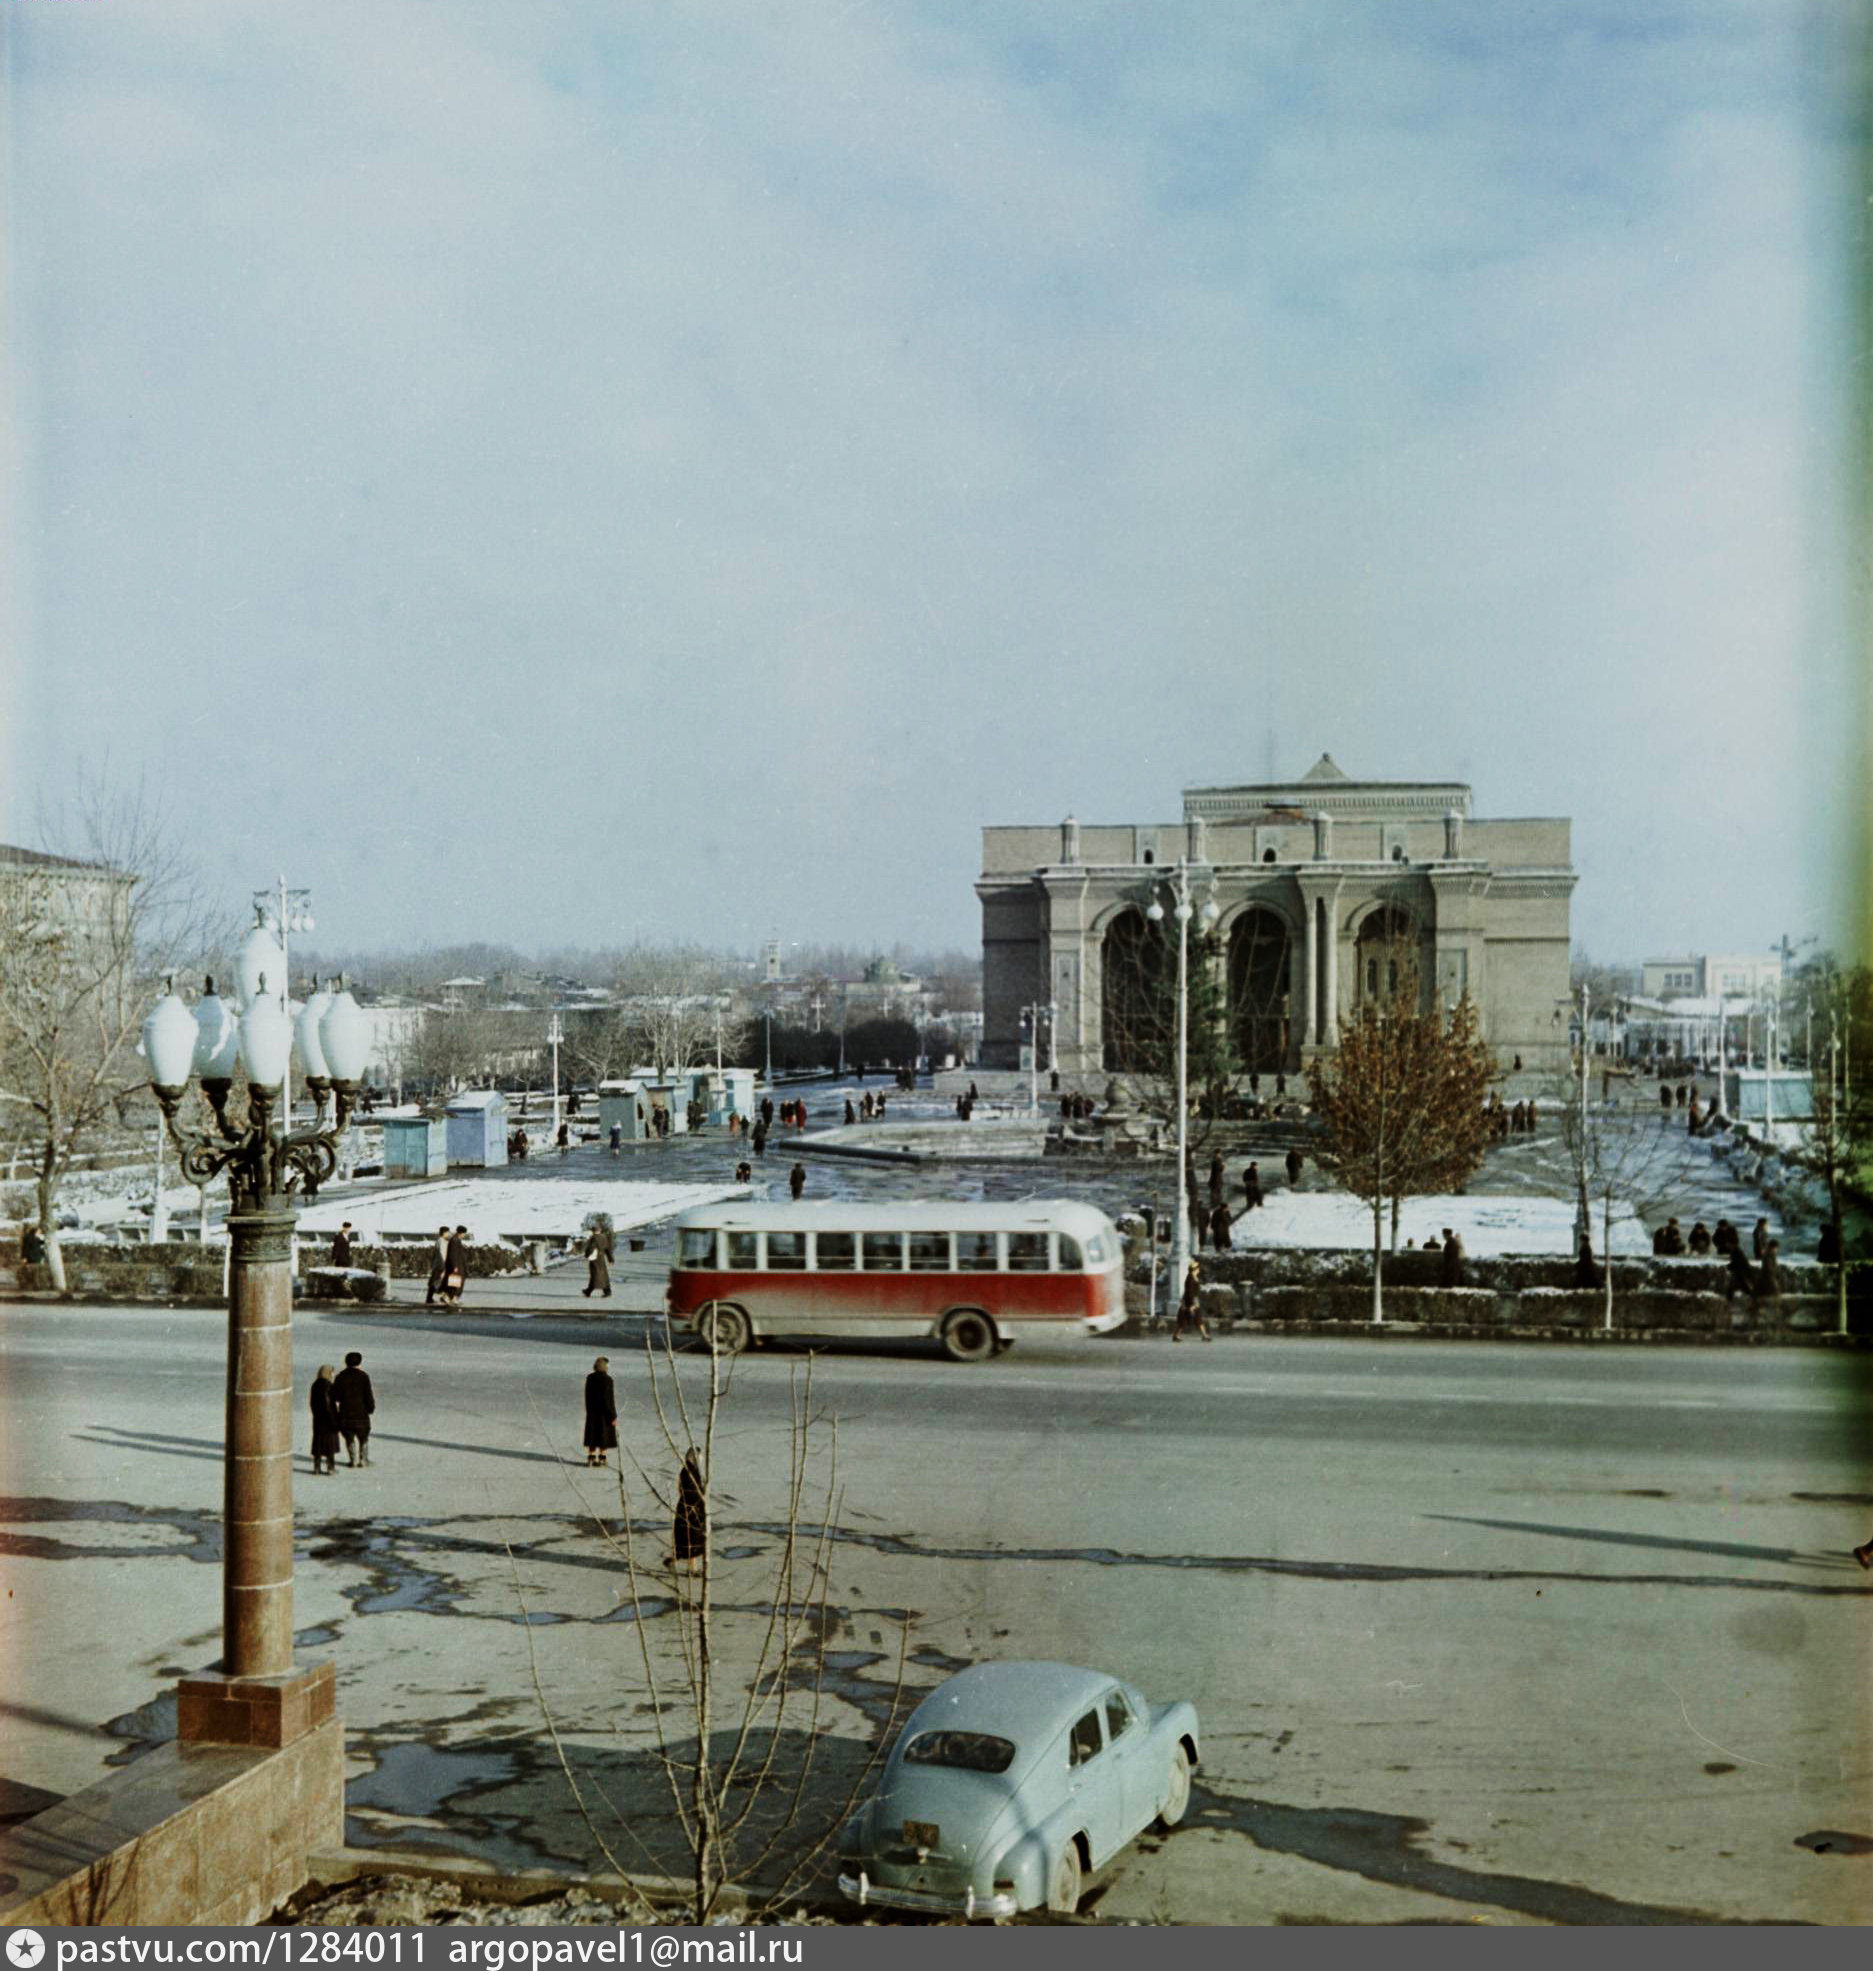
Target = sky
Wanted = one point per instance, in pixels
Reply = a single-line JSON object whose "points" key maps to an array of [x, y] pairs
{"points": [[576, 472]]}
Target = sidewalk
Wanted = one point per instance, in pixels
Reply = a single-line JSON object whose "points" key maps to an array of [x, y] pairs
{"points": [[637, 1283]]}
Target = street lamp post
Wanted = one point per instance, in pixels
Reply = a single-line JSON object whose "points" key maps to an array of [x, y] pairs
{"points": [[283, 911], [258, 1696], [555, 1033], [1182, 909]]}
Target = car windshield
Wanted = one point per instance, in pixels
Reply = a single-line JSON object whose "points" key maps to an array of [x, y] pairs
{"points": [[971, 1751]]}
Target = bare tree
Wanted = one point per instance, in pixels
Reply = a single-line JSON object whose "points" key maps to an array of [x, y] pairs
{"points": [[675, 1003], [1837, 1139], [747, 1809], [83, 942], [1400, 1104]]}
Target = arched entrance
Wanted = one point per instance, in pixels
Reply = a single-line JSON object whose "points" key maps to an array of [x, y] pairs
{"points": [[1387, 958], [1258, 990], [1134, 995]]}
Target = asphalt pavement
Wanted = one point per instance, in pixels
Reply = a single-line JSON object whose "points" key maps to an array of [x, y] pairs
{"points": [[1501, 1632]]}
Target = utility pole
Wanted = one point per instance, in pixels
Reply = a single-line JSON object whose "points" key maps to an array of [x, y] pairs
{"points": [[555, 1033]]}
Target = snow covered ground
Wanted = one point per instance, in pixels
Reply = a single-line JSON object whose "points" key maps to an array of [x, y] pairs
{"points": [[1487, 1226], [510, 1208]]}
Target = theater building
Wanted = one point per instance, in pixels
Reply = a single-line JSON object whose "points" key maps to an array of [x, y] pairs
{"points": [[1331, 892]]}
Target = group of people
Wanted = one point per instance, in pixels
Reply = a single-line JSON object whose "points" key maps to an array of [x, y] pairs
{"points": [[448, 1267], [689, 1532], [871, 1106], [1757, 1274], [1449, 1249], [1517, 1121], [342, 1408], [518, 1144]]}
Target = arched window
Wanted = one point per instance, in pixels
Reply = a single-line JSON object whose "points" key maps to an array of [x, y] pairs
{"points": [[1268, 855], [1258, 990], [1390, 961]]}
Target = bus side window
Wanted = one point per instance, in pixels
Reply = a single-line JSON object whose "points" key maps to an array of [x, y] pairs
{"points": [[884, 1252], [1070, 1260], [786, 1252], [975, 1252], [835, 1252], [696, 1247], [1027, 1252], [929, 1252], [742, 1257]]}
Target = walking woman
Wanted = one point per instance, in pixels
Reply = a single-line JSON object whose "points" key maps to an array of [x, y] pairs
{"points": [[597, 1263], [690, 1535], [324, 1423], [601, 1413]]}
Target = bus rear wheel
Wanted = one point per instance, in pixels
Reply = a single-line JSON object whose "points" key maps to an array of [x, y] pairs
{"points": [[722, 1328], [968, 1335]]}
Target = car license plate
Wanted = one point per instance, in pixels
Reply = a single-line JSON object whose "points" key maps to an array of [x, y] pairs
{"points": [[920, 1833]]}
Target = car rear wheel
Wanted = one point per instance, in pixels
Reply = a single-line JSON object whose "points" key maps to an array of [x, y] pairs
{"points": [[968, 1335], [723, 1328], [1176, 1790], [1063, 1884]]}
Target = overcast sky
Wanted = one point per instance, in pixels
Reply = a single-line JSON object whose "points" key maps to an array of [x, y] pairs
{"points": [[580, 470]]}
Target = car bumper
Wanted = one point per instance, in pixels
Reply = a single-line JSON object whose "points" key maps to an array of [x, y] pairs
{"points": [[862, 1889]]}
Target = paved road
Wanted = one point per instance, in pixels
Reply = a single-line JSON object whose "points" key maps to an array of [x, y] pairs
{"points": [[1532, 1634]]}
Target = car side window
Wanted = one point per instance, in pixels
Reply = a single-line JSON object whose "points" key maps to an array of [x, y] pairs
{"points": [[1084, 1741], [1118, 1716]]}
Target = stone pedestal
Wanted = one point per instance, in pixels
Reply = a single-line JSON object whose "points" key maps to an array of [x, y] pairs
{"points": [[213, 1708]]}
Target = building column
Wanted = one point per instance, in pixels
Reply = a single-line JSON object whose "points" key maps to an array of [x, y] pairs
{"points": [[1330, 1022], [1310, 1005]]}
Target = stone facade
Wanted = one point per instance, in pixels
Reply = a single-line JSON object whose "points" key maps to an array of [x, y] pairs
{"points": [[1325, 886]]}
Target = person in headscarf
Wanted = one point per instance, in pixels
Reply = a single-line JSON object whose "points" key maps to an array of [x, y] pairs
{"points": [[689, 1535], [324, 1423], [601, 1412]]}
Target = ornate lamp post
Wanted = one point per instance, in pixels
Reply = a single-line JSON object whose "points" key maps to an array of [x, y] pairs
{"points": [[1178, 889], [264, 1169]]}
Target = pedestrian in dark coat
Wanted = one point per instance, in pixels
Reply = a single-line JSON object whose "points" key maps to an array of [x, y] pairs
{"points": [[760, 1139], [1724, 1239], [1251, 1187], [1768, 1278], [598, 1251], [1700, 1239], [690, 1533], [456, 1265], [563, 1140], [1216, 1178], [1219, 1228], [1742, 1276], [1190, 1305], [1450, 1266], [744, 1172], [796, 1181], [1664, 1096], [601, 1412], [851, 1114], [341, 1245], [1296, 1164], [1671, 1240], [1586, 1273], [351, 1392], [324, 1423], [438, 1264], [1759, 1239], [1828, 1249]]}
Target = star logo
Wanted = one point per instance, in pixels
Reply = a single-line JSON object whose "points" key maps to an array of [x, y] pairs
{"points": [[25, 1948]]}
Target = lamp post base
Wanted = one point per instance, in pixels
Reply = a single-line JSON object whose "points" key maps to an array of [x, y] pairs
{"points": [[213, 1708]]}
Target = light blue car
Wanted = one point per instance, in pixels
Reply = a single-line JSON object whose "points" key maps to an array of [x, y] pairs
{"points": [[1010, 1784]]}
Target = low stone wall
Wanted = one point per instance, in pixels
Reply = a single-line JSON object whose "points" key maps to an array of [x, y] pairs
{"points": [[181, 1269], [189, 1834], [1510, 1273], [1660, 1309]]}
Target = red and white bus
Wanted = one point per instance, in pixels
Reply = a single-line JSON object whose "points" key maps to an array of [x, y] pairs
{"points": [[970, 1275]]}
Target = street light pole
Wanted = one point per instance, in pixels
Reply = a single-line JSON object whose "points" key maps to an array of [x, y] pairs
{"points": [[1182, 910], [555, 1033], [249, 1696]]}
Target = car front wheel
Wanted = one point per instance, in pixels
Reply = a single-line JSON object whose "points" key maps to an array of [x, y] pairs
{"points": [[1063, 1885], [1176, 1790]]}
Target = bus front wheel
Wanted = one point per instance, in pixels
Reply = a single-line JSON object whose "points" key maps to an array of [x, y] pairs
{"points": [[723, 1329], [968, 1335]]}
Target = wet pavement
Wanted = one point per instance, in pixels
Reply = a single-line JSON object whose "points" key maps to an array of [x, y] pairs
{"points": [[1496, 1632]]}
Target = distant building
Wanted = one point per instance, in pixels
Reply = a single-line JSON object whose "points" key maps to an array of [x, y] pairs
{"points": [[1712, 975], [54, 897], [1331, 891]]}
